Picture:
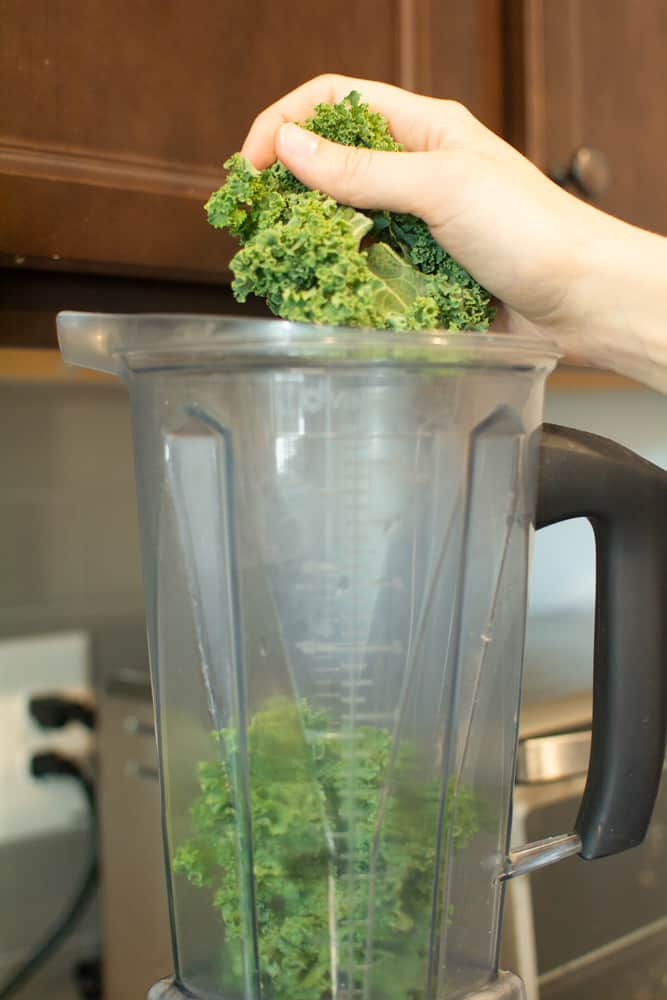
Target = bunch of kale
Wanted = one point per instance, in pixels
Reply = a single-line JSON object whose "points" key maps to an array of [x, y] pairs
{"points": [[316, 261]]}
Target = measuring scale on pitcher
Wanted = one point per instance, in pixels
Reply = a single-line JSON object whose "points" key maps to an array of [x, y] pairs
{"points": [[335, 529]]}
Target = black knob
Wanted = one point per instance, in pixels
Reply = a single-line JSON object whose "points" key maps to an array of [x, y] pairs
{"points": [[588, 173]]}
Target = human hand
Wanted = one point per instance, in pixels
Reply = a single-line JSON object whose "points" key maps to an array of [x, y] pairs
{"points": [[550, 259]]}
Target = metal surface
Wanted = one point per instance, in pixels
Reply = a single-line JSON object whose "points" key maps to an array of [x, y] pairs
{"points": [[631, 967], [540, 853], [553, 758], [136, 933], [557, 937], [548, 759]]}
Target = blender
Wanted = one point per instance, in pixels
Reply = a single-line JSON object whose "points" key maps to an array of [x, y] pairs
{"points": [[336, 529]]}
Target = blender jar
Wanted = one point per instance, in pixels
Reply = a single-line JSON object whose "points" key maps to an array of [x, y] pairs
{"points": [[336, 529]]}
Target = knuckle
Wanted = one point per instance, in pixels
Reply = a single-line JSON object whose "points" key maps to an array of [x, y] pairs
{"points": [[457, 119], [452, 124], [263, 117], [456, 110], [267, 121], [325, 78], [328, 83]]}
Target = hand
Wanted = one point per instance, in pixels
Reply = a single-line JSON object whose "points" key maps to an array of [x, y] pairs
{"points": [[550, 259]]}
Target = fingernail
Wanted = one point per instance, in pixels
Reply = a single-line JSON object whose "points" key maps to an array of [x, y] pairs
{"points": [[298, 141]]}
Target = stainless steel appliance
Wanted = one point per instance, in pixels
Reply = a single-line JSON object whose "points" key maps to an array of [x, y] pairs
{"points": [[136, 942], [581, 932]]}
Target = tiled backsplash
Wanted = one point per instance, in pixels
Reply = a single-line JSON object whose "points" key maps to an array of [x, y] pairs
{"points": [[69, 546]]}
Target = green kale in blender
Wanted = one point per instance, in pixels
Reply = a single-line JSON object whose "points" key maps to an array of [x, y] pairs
{"points": [[343, 853]]}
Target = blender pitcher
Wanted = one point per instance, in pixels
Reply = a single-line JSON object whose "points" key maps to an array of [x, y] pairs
{"points": [[336, 530]]}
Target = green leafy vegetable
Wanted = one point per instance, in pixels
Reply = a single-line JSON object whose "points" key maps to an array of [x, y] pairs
{"points": [[343, 852], [314, 260]]}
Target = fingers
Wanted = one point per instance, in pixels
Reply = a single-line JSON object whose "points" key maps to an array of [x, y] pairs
{"points": [[419, 123], [400, 182]]}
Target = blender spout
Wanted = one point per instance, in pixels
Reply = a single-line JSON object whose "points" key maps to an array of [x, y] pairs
{"points": [[87, 340]]}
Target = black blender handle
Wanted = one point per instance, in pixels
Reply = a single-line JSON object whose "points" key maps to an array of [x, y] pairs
{"points": [[625, 499]]}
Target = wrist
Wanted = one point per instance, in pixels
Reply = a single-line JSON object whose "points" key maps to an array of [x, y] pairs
{"points": [[617, 305]]}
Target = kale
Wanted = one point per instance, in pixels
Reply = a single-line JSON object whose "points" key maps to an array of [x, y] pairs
{"points": [[343, 852], [314, 260]]}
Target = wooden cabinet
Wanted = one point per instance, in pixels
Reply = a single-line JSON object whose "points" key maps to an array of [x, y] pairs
{"points": [[122, 114], [115, 120], [593, 74]]}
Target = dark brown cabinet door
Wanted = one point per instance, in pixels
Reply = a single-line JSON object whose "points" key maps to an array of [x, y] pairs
{"points": [[587, 93], [115, 118]]}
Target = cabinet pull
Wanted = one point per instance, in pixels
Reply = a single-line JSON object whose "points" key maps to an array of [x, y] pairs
{"points": [[131, 724], [588, 172], [143, 771]]}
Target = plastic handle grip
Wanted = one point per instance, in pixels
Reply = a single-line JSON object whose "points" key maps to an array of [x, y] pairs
{"points": [[625, 499]]}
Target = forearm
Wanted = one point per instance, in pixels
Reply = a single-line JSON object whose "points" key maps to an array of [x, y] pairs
{"points": [[620, 303]]}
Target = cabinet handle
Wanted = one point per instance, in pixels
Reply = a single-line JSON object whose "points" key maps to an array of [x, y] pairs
{"points": [[588, 171], [132, 724], [143, 771]]}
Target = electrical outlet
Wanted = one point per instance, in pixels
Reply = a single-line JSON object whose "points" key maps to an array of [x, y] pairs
{"points": [[58, 664]]}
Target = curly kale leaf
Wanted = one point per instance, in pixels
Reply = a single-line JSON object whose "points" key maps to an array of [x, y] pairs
{"points": [[249, 201], [352, 123], [314, 260], [461, 301], [325, 826], [307, 265]]}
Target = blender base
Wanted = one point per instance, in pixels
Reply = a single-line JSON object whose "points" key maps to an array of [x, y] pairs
{"points": [[506, 987]]}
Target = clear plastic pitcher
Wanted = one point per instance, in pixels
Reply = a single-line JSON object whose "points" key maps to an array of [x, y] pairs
{"points": [[336, 530]]}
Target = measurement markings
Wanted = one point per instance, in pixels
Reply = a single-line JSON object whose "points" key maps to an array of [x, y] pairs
{"points": [[371, 717], [312, 648], [340, 667]]}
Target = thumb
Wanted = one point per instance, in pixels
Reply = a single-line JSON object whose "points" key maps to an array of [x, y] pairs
{"points": [[364, 178]]}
